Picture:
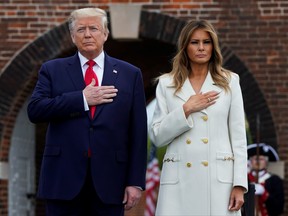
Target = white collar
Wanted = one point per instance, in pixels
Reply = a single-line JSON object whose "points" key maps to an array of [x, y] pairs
{"points": [[99, 60]]}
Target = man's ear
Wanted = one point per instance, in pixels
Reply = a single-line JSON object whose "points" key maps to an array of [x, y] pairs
{"points": [[106, 34]]}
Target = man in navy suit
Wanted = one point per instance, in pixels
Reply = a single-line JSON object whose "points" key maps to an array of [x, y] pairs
{"points": [[93, 164]]}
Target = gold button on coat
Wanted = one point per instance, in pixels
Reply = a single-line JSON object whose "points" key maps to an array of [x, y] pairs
{"points": [[205, 163], [188, 141], [205, 118], [188, 164], [205, 141]]}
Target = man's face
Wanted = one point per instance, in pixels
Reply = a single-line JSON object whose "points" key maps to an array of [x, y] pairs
{"points": [[263, 162], [89, 36]]}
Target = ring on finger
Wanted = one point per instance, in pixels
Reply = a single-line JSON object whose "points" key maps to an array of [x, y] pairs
{"points": [[209, 100]]}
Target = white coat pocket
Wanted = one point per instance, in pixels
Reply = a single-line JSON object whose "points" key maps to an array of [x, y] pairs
{"points": [[170, 169], [225, 162]]}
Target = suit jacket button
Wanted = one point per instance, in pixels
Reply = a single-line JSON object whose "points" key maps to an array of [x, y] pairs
{"points": [[188, 141], [189, 165]]}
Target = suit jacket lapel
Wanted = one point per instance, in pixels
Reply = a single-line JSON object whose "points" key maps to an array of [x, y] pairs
{"points": [[110, 71], [109, 78], [74, 71]]}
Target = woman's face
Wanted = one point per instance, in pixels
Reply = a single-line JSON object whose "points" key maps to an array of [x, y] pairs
{"points": [[200, 48]]}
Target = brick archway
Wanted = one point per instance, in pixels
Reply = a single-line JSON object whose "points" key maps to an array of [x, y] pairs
{"points": [[19, 78]]}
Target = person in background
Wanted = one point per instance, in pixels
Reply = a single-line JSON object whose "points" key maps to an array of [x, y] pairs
{"points": [[199, 116], [95, 156], [269, 190]]}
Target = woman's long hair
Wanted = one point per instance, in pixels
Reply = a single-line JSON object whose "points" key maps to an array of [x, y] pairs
{"points": [[181, 62]]}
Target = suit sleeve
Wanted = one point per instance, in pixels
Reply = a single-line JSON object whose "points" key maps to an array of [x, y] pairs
{"points": [[51, 101], [138, 147]]}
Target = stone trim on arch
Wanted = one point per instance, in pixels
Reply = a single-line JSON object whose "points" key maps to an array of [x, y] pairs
{"points": [[160, 27], [254, 101], [16, 83], [19, 77]]}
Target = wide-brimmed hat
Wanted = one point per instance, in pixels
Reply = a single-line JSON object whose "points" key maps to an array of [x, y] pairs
{"points": [[264, 149]]}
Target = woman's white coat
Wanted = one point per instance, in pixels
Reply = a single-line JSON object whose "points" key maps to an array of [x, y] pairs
{"points": [[206, 153]]}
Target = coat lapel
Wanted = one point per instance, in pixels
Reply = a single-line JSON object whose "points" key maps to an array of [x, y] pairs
{"points": [[209, 84], [109, 77], [110, 71], [74, 71], [187, 89]]}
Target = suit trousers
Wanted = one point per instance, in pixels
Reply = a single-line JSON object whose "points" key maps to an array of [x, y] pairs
{"points": [[86, 203]]}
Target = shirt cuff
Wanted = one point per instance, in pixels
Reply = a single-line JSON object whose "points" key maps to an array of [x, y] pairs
{"points": [[86, 107], [140, 188]]}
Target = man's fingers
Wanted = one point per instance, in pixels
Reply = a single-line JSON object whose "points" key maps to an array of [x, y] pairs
{"points": [[107, 87], [133, 196], [93, 82], [130, 204], [106, 91], [109, 95], [125, 199]]}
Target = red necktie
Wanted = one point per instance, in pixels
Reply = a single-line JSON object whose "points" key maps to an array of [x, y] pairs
{"points": [[89, 75]]}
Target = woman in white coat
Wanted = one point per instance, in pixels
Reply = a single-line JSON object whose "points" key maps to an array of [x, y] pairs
{"points": [[199, 115]]}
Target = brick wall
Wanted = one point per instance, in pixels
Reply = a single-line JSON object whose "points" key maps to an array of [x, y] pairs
{"points": [[256, 31]]}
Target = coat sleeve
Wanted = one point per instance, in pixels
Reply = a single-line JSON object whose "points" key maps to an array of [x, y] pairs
{"points": [[237, 132], [167, 124], [138, 147], [51, 100]]}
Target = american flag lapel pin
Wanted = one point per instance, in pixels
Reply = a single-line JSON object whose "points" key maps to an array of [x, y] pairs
{"points": [[115, 71]]}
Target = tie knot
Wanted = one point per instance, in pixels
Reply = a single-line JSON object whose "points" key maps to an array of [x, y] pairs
{"points": [[91, 63]]}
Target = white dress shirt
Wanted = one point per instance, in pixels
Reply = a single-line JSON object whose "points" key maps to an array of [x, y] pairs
{"points": [[98, 68]]}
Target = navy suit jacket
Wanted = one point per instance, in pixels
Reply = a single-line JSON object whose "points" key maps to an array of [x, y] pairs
{"points": [[117, 135]]}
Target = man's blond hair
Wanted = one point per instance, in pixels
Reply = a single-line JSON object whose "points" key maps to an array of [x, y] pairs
{"points": [[88, 12]]}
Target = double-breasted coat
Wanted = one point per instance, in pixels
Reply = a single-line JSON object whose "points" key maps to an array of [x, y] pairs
{"points": [[206, 153]]}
